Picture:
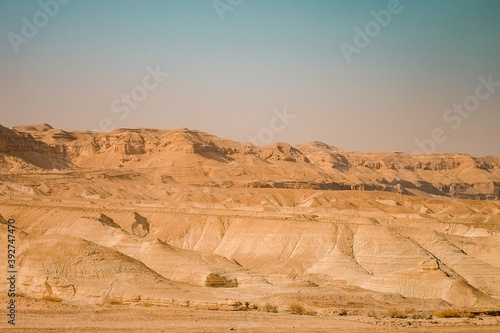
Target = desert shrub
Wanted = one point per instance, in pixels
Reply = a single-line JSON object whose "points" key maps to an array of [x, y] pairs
{"points": [[268, 307], [343, 312], [393, 313], [409, 311], [466, 314], [447, 313], [213, 307], [114, 301], [240, 307], [51, 298], [419, 315], [311, 313], [451, 313], [296, 309]]}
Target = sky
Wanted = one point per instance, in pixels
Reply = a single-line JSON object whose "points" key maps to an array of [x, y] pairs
{"points": [[367, 75]]}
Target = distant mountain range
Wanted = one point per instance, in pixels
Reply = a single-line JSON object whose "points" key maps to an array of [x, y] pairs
{"points": [[196, 158]]}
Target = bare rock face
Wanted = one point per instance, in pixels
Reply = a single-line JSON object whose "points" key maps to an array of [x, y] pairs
{"points": [[140, 228], [184, 218], [167, 179], [179, 153], [65, 268], [26, 152], [43, 127], [282, 152], [172, 214], [108, 221], [217, 281]]}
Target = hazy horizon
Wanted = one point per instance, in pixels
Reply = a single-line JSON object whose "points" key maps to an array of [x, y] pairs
{"points": [[236, 69]]}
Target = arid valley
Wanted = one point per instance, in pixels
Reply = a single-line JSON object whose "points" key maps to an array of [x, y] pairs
{"points": [[182, 231]]}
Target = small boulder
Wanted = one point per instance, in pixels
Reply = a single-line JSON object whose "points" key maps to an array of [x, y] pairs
{"points": [[218, 281]]}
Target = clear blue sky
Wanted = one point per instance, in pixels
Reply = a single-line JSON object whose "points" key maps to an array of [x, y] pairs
{"points": [[226, 76]]}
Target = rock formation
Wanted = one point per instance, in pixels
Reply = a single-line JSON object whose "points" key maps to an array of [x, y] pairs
{"points": [[181, 216]]}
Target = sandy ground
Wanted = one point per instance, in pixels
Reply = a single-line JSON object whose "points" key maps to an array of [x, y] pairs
{"points": [[158, 319]]}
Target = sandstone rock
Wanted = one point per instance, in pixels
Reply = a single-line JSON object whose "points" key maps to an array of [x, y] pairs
{"points": [[217, 281], [140, 228], [311, 165]]}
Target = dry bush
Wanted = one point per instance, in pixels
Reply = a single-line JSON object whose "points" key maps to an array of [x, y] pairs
{"points": [[145, 304], [419, 315], [409, 311], [467, 315], [451, 313], [343, 312], [238, 306], [250, 307], [51, 298], [114, 301], [296, 309], [311, 313], [268, 307], [447, 313], [253, 307], [394, 313]]}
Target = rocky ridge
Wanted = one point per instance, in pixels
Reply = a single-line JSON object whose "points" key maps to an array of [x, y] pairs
{"points": [[314, 165]]}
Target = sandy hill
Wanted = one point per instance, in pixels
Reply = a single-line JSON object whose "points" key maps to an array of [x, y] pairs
{"points": [[184, 218]]}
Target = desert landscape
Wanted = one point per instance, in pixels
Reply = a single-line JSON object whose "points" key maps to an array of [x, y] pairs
{"points": [[304, 166], [182, 231]]}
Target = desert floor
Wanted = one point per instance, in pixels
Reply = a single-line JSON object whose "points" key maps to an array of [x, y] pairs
{"points": [[158, 319]]}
